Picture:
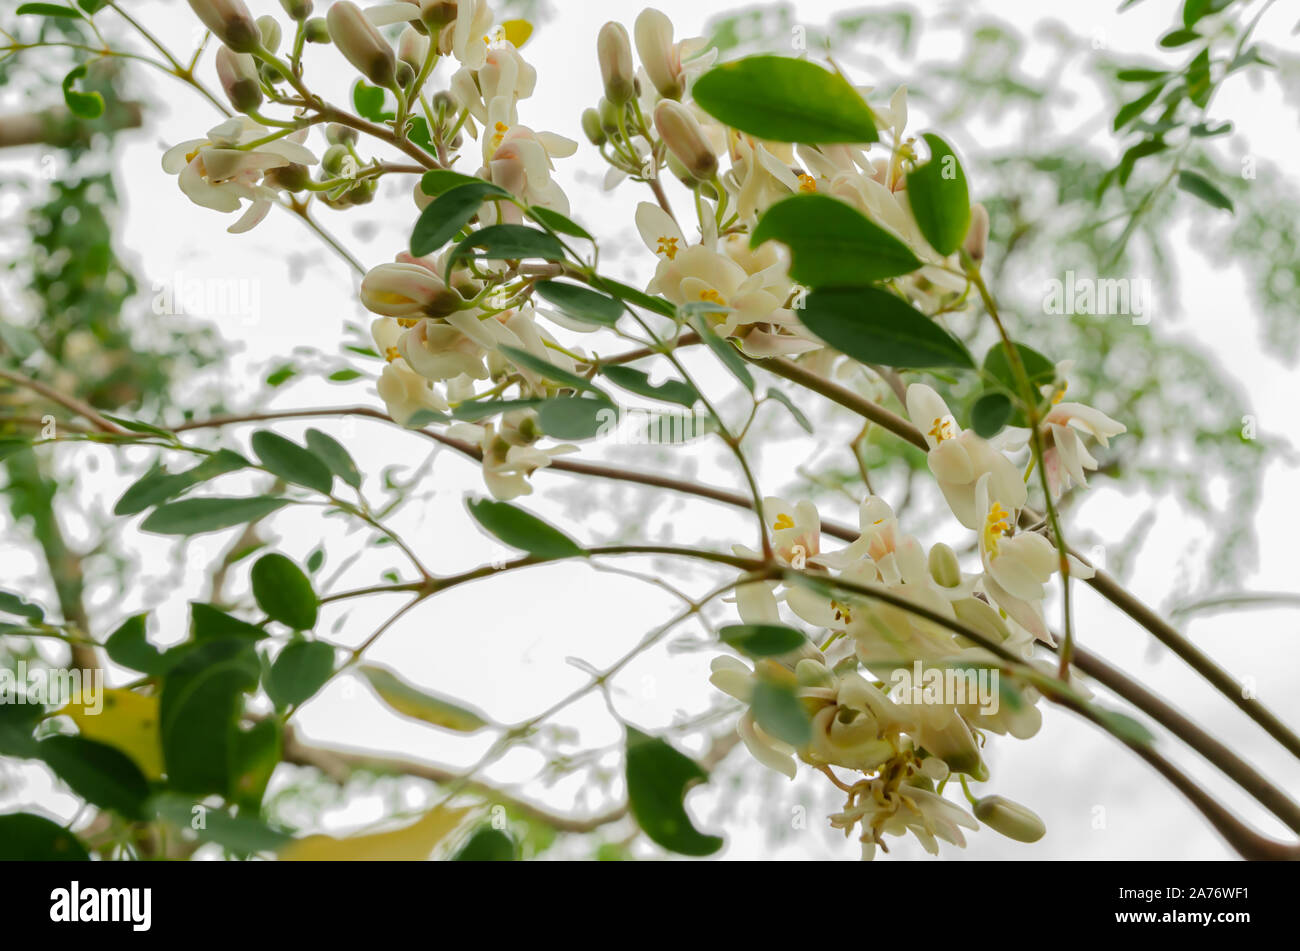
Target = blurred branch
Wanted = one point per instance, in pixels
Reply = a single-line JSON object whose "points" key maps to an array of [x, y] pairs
{"points": [[59, 128]]}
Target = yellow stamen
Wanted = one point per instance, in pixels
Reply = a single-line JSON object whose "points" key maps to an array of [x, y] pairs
{"points": [[667, 247], [407, 322], [807, 184], [713, 297], [997, 523], [1060, 394], [783, 521], [842, 612], [391, 354], [942, 428], [501, 130]]}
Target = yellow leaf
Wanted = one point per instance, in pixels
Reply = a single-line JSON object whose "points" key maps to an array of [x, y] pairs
{"points": [[411, 843], [517, 32], [419, 704], [129, 722]]}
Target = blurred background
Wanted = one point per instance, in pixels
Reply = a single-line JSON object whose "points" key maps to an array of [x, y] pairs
{"points": [[120, 291]]}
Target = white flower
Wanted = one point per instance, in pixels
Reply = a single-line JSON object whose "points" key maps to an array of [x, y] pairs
{"points": [[217, 173], [509, 456], [519, 160], [958, 458], [1066, 455], [407, 394]]}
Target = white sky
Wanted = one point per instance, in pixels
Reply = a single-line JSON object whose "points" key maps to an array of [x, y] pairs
{"points": [[502, 645]]}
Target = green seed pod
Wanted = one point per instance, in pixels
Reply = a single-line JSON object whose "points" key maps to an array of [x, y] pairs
{"points": [[1010, 818]]}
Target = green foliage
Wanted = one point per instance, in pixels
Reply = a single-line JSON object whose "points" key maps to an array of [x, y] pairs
{"points": [[832, 244], [658, 778]]}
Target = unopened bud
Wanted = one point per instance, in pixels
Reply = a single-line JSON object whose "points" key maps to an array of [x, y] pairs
{"points": [[685, 139], [230, 22], [977, 235], [591, 127], [298, 10], [337, 134], [316, 30], [407, 290], [615, 54], [654, 44], [981, 617], [237, 73], [435, 14], [413, 48], [405, 75], [944, 568], [955, 745], [361, 44], [332, 161], [1010, 818], [269, 28], [292, 177], [608, 115]]}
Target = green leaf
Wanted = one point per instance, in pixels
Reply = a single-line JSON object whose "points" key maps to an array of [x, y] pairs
{"points": [[284, 592], [1131, 110], [559, 223], [129, 647], [798, 414], [197, 516], [783, 99], [421, 705], [211, 624], [29, 838], [1194, 183], [762, 640], [658, 778], [369, 102], [833, 244], [939, 197], [331, 452], [240, 834], [625, 292], [1140, 75], [780, 713], [19, 340], [577, 417], [48, 10], [475, 410], [300, 670], [990, 413], [202, 698], [441, 180], [875, 326], [547, 369], [523, 530], [725, 352], [18, 722], [255, 753], [581, 303], [1038, 368], [84, 105], [11, 603], [159, 485], [1176, 38], [443, 218], [506, 242], [99, 774], [487, 845], [637, 381], [292, 462]]}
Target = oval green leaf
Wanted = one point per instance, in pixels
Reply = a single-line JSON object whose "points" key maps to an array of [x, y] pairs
{"points": [[939, 198], [284, 592], [875, 326]]}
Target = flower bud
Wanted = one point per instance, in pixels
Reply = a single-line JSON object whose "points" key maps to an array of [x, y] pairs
{"points": [[405, 75], [608, 115], [298, 10], [955, 745], [332, 161], [337, 134], [413, 48], [361, 44], [317, 30], [292, 177], [977, 235], [1010, 818], [591, 127], [238, 75], [435, 14], [269, 28], [685, 139], [407, 290], [616, 69], [230, 22], [944, 568], [654, 44]]}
